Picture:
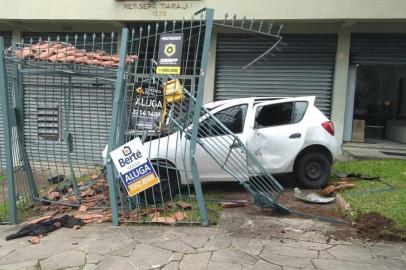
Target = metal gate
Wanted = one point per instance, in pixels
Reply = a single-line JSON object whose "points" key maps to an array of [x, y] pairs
{"points": [[72, 100], [14, 192]]}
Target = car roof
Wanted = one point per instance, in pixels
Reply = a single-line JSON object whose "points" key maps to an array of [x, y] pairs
{"points": [[255, 100]]}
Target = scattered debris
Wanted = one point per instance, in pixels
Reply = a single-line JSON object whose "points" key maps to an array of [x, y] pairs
{"points": [[342, 205], [38, 220], [234, 204], [36, 240], [328, 190], [340, 186], [312, 197], [166, 220], [83, 208], [184, 205], [53, 195], [56, 179], [179, 216], [45, 207]]}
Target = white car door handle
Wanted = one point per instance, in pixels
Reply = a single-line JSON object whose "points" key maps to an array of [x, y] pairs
{"points": [[295, 136]]}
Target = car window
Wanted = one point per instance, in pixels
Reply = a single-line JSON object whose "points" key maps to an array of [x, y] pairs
{"points": [[298, 111], [280, 114], [233, 118]]}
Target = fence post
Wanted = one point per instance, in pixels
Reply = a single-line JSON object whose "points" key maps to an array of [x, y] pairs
{"points": [[7, 137], [197, 110], [20, 131], [112, 143]]}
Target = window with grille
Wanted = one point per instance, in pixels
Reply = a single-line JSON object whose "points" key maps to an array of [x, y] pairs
{"points": [[49, 122]]}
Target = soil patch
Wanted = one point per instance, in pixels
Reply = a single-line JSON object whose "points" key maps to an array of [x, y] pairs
{"points": [[327, 210], [374, 226], [231, 192], [371, 226]]}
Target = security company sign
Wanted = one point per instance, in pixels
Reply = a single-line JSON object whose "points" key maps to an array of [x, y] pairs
{"points": [[135, 169], [170, 54]]}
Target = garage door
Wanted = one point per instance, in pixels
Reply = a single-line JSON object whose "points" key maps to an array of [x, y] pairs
{"points": [[378, 49], [7, 35], [304, 67]]}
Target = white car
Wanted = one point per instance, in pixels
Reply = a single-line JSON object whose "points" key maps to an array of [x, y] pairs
{"points": [[285, 134]]}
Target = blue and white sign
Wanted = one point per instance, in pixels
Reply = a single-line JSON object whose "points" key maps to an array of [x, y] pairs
{"points": [[135, 169]]}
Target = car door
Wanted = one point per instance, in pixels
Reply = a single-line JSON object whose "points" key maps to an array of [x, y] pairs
{"points": [[278, 133], [222, 146]]}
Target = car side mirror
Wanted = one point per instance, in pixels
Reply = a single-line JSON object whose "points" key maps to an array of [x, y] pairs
{"points": [[256, 125]]}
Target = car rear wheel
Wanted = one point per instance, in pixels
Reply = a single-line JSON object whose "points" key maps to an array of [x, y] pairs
{"points": [[166, 188], [312, 170]]}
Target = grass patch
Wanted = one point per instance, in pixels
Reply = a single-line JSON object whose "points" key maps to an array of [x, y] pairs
{"points": [[3, 177], [363, 199], [193, 214], [213, 209], [23, 212]]}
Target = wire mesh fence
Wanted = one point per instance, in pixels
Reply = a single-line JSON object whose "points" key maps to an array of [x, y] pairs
{"points": [[13, 193], [61, 105], [73, 97], [155, 109]]}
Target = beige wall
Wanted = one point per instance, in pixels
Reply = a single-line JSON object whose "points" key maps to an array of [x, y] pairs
{"points": [[261, 9]]}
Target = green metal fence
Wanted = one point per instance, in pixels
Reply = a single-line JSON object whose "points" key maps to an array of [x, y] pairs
{"points": [[68, 101], [66, 95]]}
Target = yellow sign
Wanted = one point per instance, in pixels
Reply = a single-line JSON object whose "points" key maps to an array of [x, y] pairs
{"points": [[142, 184], [168, 70], [173, 91]]}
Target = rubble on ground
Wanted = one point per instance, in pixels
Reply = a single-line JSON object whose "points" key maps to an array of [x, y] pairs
{"points": [[342, 185]]}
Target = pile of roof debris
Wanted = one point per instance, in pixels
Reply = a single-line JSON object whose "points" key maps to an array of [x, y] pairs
{"points": [[67, 53], [95, 192], [341, 185]]}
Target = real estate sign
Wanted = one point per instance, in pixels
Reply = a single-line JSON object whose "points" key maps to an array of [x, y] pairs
{"points": [[170, 54], [148, 108], [135, 168]]}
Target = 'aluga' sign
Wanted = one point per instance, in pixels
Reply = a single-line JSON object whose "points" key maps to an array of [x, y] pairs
{"points": [[135, 169]]}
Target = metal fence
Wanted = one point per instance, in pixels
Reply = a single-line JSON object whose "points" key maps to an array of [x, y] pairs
{"points": [[179, 192], [67, 99]]}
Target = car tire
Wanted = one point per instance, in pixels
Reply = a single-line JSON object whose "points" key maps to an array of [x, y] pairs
{"points": [[165, 189], [312, 170]]}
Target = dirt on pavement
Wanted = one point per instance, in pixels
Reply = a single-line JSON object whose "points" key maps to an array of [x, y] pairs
{"points": [[372, 226]]}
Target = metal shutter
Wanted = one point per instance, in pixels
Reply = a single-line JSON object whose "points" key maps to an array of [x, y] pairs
{"points": [[378, 49], [304, 67], [8, 36]]}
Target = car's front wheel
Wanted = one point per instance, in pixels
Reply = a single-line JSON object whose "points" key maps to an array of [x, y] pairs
{"points": [[166, 189], [312, 170]]}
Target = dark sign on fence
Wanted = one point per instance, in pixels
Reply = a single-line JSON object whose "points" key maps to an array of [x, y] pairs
{"points": [[148, 109], [170, 54]]}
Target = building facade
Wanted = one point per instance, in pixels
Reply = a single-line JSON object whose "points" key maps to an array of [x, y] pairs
{"points": [[350, 54]]}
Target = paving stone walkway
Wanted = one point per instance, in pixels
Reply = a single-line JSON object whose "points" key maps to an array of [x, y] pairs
{"points": [[244, 243]]}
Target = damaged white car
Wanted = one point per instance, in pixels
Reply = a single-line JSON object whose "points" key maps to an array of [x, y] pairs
{"points": [[285, 134]]}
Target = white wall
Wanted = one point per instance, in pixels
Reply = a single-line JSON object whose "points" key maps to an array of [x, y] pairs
{"points": [[261, 9]]}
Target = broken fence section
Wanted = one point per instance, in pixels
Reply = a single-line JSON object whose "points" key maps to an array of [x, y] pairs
{"points": [[72, 95]]}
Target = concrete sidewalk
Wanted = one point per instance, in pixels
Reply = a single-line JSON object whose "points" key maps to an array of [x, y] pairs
{"points": [[252, 243]]}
